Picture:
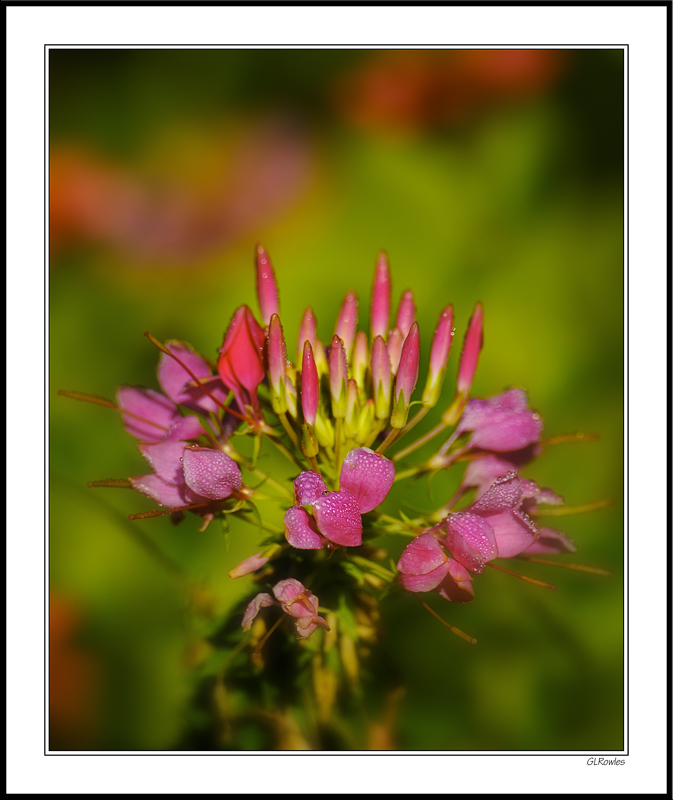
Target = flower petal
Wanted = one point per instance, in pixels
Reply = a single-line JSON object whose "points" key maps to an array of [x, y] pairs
{"points": [[471, 540], [457, 586], [210, 473], [161, 492], [504, 493], [427, 582], [338, 517], [157, 411], [551, 542], [173, 377], [368, 476], [262, 600], [298, 530], [421, 556], [308, 487], [251, 564], [514, 532]]}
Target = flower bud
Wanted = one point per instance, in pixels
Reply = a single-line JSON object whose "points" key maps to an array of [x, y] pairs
{"points": [[240, 365], [406, 313], [395, 344], [307, 333], [347, 322], [352, 409], [267, 290], [474, 341], [406, 379], [360, 361], [310, 385], [381, 378], [380, 309], [439, 355], [277, 359], [338, 375]]}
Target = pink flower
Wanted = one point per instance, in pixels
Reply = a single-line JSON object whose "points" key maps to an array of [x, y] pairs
{"points": [[365, 480], [294, 600], [180, 386], [424, 567], [501, 423]]}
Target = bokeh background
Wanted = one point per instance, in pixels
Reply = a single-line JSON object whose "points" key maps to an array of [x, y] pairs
{"points": [[492, 175]]}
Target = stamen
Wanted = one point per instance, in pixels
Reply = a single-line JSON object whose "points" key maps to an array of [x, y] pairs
{"points": [[571, 437], [158, 512], [534, 581], [578, 567], [390, 438], [111, 483], [452, 628], [217, 402], [101, 401], [258, 650], [561, 511], [420, 442]]}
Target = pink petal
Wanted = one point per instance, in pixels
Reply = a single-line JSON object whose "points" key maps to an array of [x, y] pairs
{"points": [[251, 564], [162, 493], [501, 423], [286, 589], [210, 473], [483, 471], [299, 532], [165, 458], [514, 532], [457, 586], [240, 362], [262, 600], [368, 476], [421, 556], [426, 582], [308, 487], [471, 540], [173, 377], [157, 411], [505, 492], [211, 397], [338, 517], [551, 542]]}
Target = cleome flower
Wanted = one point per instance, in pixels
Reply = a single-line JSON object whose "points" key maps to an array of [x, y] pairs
{"points": [[365, 480], [294, 600], [335, 412]]}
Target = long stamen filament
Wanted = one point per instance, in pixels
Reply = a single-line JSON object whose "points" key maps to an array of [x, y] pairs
{"points": [[577, 567], [452, 628], [101, 401], [217, 402], [562, 511], [257, 651], [525, 578]]}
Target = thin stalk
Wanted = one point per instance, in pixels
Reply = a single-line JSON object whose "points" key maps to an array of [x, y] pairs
{"points": [[337, 446], [452, 628], [390, 438], [577, 567], [562, 511], [420, 442], [525, 578], [288, 429]]}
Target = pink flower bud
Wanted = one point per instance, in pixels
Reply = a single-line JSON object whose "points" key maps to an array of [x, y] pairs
{"points": [[395, 344], [360, 359], [347, 322], [352, 409], [406, 313], [380, 309], [267, 290], [240, 365], [407, 377], [501, 423], [338, 375], [474, 341], [307, 333], [310, 385], [439, 356], [277, 359], [381, 378]]}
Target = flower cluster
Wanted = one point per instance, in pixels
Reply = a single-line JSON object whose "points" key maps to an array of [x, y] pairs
{"points": [[334, 413]]}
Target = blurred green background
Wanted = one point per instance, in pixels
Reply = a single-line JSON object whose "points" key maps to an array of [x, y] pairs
{"points": [[486, 175]]}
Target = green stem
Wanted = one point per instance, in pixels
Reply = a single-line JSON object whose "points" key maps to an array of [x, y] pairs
{"points": [[390, 438], [288, 429], [420, 442]]}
